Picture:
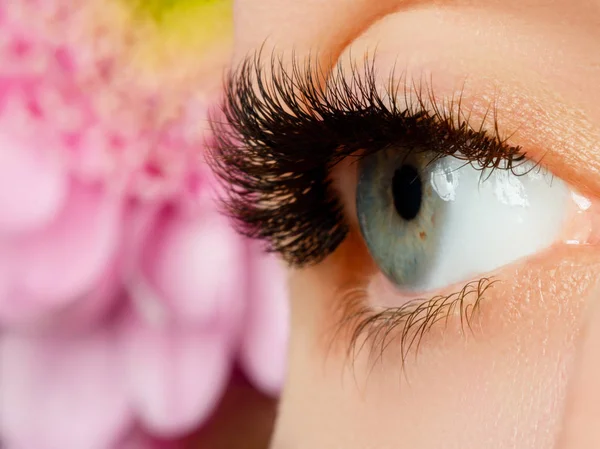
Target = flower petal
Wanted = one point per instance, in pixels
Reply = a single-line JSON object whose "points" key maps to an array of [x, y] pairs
{"points": [[137, 439], [31, 191], [196, 265], [15, 309], [176, 377], [91, 309], [19, 310], [62, 393], [69, 256], [264, 342], [32, 187], [6, 273]]}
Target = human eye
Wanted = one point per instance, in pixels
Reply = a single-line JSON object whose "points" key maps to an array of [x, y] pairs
{"points": [[438, 199], [430, 221]]}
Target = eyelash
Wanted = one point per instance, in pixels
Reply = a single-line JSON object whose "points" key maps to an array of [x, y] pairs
{"points": [[278, 137], [374, 331]]}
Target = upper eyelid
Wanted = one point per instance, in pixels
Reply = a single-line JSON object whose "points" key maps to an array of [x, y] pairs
{"points": [[562, 139], [274, 171], [544, 87]]}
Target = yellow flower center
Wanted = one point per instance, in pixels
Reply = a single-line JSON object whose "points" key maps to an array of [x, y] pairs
{"points": [[184, 36]]}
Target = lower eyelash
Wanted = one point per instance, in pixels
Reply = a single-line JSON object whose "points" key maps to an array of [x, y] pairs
{"points": [[375, 331]]}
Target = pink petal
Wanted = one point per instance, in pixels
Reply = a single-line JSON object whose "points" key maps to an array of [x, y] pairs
{"points": [[21, 311], [90, 309], [64, 260], [18, 313], [61, 393], [139, 440], [15, 309], [195, 265], [264, 342], [31, 190], [138, 231], [6, 272], [176, 377], [32, 186]]}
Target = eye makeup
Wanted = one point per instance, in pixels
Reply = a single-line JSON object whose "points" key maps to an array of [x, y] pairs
{"points": [[281, 134]]}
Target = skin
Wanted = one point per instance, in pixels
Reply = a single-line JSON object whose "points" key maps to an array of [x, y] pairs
{"points": [[579, 429], [505, 382]]}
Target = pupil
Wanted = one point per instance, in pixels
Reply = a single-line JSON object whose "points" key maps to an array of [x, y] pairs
{"points": [[408, 192]]}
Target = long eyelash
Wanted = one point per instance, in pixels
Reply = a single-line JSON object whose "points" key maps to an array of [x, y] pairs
{"points": [[373, 331], [279, 135]]}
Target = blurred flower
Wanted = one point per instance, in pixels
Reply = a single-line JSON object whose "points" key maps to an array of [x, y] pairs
{"points": [[125, 297]]}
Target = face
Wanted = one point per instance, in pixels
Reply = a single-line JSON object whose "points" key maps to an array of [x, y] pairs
{"points": [[437, 202]]}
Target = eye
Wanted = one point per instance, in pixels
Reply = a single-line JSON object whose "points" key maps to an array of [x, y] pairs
{"points": [[431, 222]]}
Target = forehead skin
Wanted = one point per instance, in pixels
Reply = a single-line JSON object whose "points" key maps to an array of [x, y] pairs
{"points": [[332, 24]]}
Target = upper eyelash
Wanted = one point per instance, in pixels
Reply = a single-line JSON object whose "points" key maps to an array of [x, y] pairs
{"points": [[278, 137]]}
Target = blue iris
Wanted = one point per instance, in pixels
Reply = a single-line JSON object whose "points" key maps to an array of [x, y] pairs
{"points": [[396, 212]]}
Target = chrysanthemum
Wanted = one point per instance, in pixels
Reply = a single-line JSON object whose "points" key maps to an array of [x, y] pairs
{"points": [[125, 297]]}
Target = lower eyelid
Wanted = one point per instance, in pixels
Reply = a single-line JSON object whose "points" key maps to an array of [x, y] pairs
{"points": [[495, 302], [373, 315], [363, 333], [513, 298], [384, 294], [582, 227]]}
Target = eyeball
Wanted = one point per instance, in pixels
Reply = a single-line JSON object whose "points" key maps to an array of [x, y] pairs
{"points": [[432, 222]]}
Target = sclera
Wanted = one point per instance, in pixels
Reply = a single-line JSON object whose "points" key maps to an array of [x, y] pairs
{"points": [[581, 226]]}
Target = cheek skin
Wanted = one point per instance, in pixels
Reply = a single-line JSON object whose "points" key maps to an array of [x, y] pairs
{"points": [[500, 385]]}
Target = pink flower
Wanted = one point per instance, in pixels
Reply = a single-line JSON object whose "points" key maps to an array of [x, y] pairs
{"points": [[125, 297]]}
